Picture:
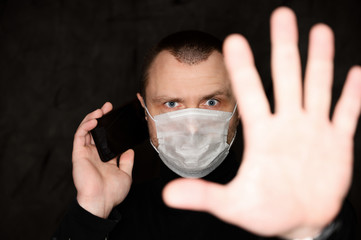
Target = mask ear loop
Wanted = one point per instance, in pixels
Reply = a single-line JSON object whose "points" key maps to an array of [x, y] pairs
{"points": [[146, 109], [153, 146], [235, 133], [234, 137], [234, 110], [150, 115]]}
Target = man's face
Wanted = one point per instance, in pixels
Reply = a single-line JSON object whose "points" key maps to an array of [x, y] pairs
{"points": [[173, 85]]}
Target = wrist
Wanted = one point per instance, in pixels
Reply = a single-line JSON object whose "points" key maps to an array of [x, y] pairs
{"points": [[323, 234], [302, 233], [96, 206]]}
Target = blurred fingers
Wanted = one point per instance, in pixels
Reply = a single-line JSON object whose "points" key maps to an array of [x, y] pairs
{"points": [[319, 71], [246, 83], [194, 194], [285, 61], [348, 107]]}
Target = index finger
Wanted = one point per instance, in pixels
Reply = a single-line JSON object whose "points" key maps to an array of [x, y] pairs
{"points": [[107, 107], [246, 83]]}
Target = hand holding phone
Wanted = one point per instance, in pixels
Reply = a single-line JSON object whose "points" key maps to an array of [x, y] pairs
{"points": [[120, 130], [95, 180]]}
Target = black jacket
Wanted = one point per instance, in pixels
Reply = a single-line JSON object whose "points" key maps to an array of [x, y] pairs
{"points": [[143, 215]]}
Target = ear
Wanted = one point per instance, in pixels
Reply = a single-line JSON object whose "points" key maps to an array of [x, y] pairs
{"points": [[141, 100]]}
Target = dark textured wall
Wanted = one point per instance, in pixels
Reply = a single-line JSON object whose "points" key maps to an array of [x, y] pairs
{"points": [[60, 59]]}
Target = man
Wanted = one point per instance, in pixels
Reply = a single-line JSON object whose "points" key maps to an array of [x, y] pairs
{"points": [[297, 164]]}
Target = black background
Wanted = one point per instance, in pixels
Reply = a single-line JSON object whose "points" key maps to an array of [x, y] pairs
{"points": [[61, 59]]}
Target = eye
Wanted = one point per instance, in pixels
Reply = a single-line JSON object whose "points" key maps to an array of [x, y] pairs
{"points": [[171, 104], [212, 102]]}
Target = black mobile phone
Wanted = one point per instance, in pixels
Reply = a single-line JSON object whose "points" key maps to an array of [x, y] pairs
{"points": [[119, 130]]}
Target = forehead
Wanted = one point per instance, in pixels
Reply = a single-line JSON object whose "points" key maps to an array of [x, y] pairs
{"points": [[169, 77]]}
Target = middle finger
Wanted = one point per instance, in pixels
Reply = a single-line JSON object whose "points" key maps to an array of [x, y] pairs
{"points": [[285, 61]]}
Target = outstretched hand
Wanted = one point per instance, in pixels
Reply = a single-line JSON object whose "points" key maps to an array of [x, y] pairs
{"points": [[297, 163]]}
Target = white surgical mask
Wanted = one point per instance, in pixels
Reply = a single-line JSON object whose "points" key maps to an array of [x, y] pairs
{"points": [[192, 142]]}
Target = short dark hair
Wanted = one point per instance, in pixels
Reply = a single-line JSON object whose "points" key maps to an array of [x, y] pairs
{"points": [[190, 47]]}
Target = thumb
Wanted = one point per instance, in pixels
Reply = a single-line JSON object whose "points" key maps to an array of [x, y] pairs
{"points": [[195, 194], [126, 161]]}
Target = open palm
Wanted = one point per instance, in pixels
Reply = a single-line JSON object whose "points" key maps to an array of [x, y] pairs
{"points": [[297, 163]]}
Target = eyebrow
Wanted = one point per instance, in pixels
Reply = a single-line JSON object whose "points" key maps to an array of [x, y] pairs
{"points": [[217, 93], [165, 98]]}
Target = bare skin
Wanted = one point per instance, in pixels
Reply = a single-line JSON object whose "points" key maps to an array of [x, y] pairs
{"points": [[297, 163], [172, 86], [100, 186]]}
